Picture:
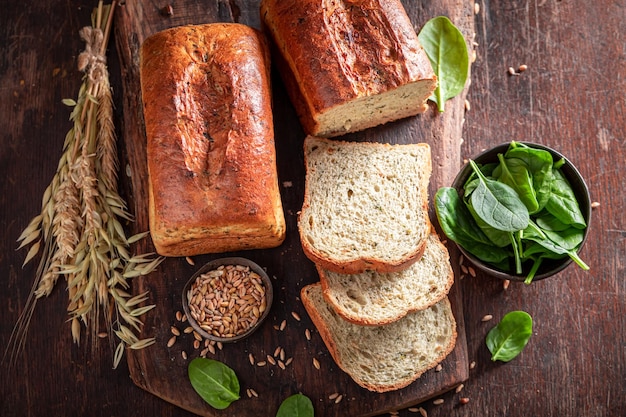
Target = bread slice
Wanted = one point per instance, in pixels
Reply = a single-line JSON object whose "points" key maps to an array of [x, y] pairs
{"points": [[365, 205], [348, 66], [372, 298], [384, 358]]}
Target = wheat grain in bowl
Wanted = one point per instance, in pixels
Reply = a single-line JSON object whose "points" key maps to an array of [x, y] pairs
{"points": [[227, 299]]}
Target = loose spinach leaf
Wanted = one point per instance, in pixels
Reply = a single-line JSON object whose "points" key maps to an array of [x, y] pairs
{"points": [[214, 381], [510, 336], [498, 204], [446, 49], [297, 405]]}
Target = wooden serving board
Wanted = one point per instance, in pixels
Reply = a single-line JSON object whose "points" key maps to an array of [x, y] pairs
{"points": [[162, 370]]}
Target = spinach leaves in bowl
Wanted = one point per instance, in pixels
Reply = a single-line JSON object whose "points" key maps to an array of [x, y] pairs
{"points": [[519, 211]]}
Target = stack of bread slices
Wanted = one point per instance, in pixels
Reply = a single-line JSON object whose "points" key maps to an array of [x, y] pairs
{"points": [[381, 303]]}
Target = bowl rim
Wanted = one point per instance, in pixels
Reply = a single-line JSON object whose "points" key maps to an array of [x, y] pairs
{"points": [[212, 265], [571, 173]]}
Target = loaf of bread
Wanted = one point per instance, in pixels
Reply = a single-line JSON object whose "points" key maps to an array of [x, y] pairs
{"points": [[384, 358], [350, 65], [365, 205], [213, 183], [371, 298]]}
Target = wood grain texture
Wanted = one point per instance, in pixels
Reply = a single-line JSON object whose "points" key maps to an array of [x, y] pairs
{"points": [[571, 97], [162, 371]]}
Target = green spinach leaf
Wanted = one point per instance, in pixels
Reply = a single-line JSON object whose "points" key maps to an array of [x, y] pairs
{"points": [[515, 174], [539, 163], [214, 381], [458, 225], [563, 204], [510, 336], [498, 204], [447, 51], [297, 405]]}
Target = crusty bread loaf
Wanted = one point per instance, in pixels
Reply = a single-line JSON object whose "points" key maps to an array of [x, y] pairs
{"points": [[371, 298], [213, 184], [365, 205], [384, 358], [348, 65]]}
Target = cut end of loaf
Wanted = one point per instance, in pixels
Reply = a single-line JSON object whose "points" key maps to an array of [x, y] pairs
{"points": [[369, 111]]}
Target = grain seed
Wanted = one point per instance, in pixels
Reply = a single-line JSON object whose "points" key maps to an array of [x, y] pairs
{"points": [[472, 272], [196, 344], [271, 360], [472, 365], [522, 68], [295, 315], [277, 351], [316, 363], [467, 105], [283, 324], [438, 401], [261, 363], [251, 358], [423, 412], [338, 399], [188, 330], [184, 355], [476, 8], [288, 361], [171, 342], [333, 396], [505, 285], [307, 334], [254, 393], [595, 204], [189, 260], [438, 368], [464, 400], [486, 317], [281, 365], [175, 331], [459, 388]]}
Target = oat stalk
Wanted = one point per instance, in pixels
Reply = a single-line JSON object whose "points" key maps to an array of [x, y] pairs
{"points": [[79, 231]]}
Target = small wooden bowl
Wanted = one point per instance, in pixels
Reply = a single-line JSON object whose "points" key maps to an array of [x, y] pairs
{"points": [[200, 320], [549, 267]]}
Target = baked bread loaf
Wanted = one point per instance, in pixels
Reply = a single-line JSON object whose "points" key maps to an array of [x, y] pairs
{"points": [[348, 66], [384, 358], [365, 205], [371, 298], [213, 183]]}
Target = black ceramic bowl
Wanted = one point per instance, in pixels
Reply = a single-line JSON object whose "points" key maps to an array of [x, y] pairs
{"points": [[206, 326], [549, 267]]}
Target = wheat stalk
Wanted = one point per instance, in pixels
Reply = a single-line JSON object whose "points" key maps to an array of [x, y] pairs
{"points": [[78, 230]]}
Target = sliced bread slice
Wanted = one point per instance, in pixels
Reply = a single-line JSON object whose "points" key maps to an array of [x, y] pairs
{"points": [[384, 358], [365, 204], [372, 298]]}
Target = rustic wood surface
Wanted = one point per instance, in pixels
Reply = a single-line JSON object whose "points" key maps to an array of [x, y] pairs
{"points": [[570, 97]]}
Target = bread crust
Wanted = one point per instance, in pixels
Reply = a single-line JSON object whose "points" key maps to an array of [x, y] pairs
{"points": [[333, 52], [213, 183]]}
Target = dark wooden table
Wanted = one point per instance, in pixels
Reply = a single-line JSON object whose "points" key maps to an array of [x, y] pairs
{"points": [[571, 97]]}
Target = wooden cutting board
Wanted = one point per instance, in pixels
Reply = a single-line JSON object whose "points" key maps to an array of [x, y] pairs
{"points": [[162, 370]]}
